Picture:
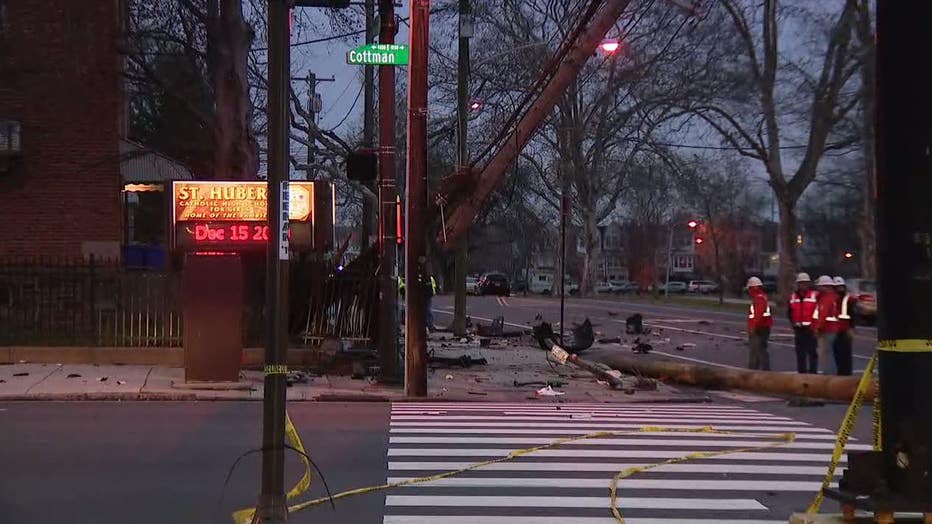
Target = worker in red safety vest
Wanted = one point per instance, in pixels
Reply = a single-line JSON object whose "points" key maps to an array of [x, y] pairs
{"points": [[760, 321], [801, 309], [845, 338], [825, 319]]}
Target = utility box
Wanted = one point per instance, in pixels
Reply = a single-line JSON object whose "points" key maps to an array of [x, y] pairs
{"points": [[212, 298]]}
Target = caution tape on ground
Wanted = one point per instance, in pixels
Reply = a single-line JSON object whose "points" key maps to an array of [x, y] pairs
{"points": [[851, 415], [244, 516], [906, 345], [876, 420]]}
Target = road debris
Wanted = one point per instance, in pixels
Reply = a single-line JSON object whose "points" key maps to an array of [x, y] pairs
{"points": [[549, 392], [462, 361], [610, 340], [73, 375], [581, 337], [21, 374], [634, 325], [641, 347], [684, 346], [554, 383], [102, 379]]}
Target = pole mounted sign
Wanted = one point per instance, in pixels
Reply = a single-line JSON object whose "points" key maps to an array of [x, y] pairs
{"points": [[378, 54]]}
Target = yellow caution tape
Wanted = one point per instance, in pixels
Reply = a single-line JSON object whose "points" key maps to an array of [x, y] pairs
{"points": [[245, 516], [907, 345], [876, 420], [276, 369], [844, 432]]}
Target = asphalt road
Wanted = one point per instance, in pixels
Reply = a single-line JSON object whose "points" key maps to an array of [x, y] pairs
{"points": [[719, 336], [153, 463]]}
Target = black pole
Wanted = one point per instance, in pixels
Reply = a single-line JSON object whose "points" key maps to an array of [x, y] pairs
{"points": [[272, 507], [563, 211], [904, 234]]}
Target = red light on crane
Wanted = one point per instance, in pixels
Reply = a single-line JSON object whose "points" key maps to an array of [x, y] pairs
{"points": [[699, 240], [692, 224], [849, 255]]}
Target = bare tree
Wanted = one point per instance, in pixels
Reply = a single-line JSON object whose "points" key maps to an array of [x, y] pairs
{"points": [[212, 39], [773, 92]]}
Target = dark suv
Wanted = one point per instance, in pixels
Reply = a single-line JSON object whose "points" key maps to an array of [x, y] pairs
{"points": [[494, 284]]}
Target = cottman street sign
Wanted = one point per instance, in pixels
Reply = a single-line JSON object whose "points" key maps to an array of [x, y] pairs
{"points": [[378, 54]]}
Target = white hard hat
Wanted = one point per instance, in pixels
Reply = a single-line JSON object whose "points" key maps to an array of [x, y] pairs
{"points": [[754, 282], [838, 281], [824, 280], [803, 277]]}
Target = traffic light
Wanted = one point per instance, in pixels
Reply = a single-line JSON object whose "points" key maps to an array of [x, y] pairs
{"points": [[362, 166]]}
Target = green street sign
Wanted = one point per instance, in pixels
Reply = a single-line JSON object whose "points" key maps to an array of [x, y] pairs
{"points": [[378, 54]]}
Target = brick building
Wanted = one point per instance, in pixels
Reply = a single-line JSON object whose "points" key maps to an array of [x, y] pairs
{"points": [[61, 96]]}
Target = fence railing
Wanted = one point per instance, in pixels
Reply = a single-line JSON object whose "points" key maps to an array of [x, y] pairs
{"points": [[99, 303]]}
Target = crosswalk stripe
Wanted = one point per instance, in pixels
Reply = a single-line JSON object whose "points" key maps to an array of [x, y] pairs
{"points": [[533, 431], [821, 458], [691, 441], [647, 419], [494, 501], [625, 484], [764, 426], [522, 465], [502, 519]]}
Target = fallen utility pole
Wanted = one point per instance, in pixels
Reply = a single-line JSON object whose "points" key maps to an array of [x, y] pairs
{"points": [[272, 506], [416, 205], [601, 371], [804, 385], [388, 237], [468, 192]]}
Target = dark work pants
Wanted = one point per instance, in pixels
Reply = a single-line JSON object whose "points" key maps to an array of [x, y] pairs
{"points": [[842, 350], [807, 359], [759, 358]]}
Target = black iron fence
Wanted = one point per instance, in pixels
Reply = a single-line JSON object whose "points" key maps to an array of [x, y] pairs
{"points": [[99, 303]]}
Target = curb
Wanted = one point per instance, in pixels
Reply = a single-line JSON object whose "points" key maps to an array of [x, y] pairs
{"points": [[323, 397]]}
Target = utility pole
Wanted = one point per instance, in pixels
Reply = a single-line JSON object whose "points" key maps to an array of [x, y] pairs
{"points": [[313, 108], [462, 161], [368, 123], [896, 478], [388, 241], [272, 507], [416, 203]]}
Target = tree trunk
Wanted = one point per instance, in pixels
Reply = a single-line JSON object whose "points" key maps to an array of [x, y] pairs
{"points": [[229, 39], [788, 254], [867, 230], [590, 228]]}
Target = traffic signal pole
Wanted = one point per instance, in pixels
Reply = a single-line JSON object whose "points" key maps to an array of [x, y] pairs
{"points": [[272, 507], [461, 259], [897, 478], [416, 204], [388, 241]]}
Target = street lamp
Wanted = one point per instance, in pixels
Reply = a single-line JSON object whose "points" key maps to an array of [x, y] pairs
{"points": [[692, 224], [610, 46]]}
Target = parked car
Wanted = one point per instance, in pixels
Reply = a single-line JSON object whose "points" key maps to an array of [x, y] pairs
{"points": [[494, 284], [702, 286], [865, 291], [472, 286], [623, 286], [603, 288], [570, 287], [673, 287]]}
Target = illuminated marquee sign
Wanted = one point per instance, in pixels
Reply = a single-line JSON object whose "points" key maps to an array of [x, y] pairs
{"points": [[233, 216]]}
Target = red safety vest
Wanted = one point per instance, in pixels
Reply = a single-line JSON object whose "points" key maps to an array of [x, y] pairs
{"points": [[825, 317], [844, 312], [759, 315], [803, 308]]}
